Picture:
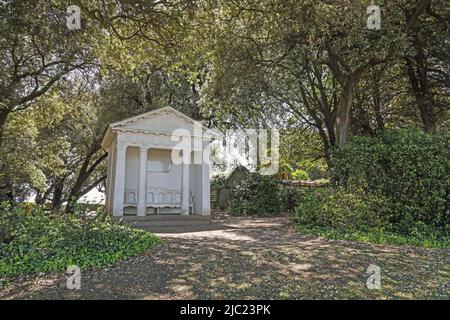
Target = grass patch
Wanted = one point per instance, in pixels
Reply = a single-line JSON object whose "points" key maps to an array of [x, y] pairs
{"points": [[377, 236], [33, 242]]}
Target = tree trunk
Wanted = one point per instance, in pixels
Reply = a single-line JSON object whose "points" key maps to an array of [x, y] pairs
{"points": [[416, 68], [3, 116], [427, 116], [421, 96], [75, 191], [76, 188], [376, 96], [378, 117], [343, 112], [57, 195], [330, 130], [83, 175], [345, 105]]}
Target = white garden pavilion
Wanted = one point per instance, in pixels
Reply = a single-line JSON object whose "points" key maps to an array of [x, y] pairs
{"points": [[143, 178]]}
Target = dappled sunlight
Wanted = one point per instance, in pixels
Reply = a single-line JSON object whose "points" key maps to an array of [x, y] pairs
{"points": [[29, 286], [260, 258], [248, 232]]}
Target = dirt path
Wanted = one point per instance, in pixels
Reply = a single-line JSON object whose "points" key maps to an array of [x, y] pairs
{"points": [[253, 258]]}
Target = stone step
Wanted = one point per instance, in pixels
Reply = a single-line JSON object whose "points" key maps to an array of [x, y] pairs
{"points": [[145, 224], [179, 229], [165, 220], [166, 217]]}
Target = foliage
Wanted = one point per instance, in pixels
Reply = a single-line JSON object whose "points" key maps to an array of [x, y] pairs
{"points": [[284, 170], [301, 66], [407, 167], [338, 214], [38, 242], [338, 209], [256, 195], [299, 147], [300, 174], [61, 136], [37, 51], [290, 197], [294, 63], [218, 181], [430, 240], [301, 156], [303, 170], [315, 169]]}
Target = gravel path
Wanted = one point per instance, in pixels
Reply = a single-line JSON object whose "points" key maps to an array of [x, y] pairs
{"points": [[241, 258]]}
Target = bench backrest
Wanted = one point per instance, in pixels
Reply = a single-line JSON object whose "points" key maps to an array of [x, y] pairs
{"points": [[157, 196], [163, 196]]}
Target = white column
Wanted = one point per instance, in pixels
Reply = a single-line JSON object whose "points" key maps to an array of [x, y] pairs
{"points": [[196, 182], [142, 184], [109, 180], [205, 183], [185, 170], [119, 181]]}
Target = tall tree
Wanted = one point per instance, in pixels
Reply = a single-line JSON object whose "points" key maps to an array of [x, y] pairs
{"points": [[36, 51], [269, 32], [427, 62]]}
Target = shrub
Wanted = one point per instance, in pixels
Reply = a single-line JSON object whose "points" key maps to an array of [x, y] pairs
{"points": [[290, 197], [285, 170], [335, 208], [218, 181], [408, 167], [256, 195], [315, 169], [300, 174], [37, 242], [339, 214]]}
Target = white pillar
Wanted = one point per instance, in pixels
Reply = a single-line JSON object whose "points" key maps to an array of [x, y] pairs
{"points": [[196, 182], [205, 183], [185, 170], [142, 184], [119, 181], [109, 181]]}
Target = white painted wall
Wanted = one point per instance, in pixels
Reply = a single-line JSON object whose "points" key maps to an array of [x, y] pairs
{"points": [[132, 168], [169, 180]]}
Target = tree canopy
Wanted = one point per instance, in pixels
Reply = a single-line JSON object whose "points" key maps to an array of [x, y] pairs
{"points": [[310, 68]]}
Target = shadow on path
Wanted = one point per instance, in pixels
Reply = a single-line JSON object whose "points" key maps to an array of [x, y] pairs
{"points": [[243, 258]]}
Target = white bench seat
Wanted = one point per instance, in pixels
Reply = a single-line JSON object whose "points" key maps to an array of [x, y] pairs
{"points": [[157, 197]]}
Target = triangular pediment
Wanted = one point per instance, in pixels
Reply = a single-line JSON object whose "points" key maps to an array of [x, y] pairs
{"points": [[164, 120], [161, 122]]}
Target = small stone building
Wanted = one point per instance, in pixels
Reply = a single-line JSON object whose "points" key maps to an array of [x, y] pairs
{"points": [[142, 178]]}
